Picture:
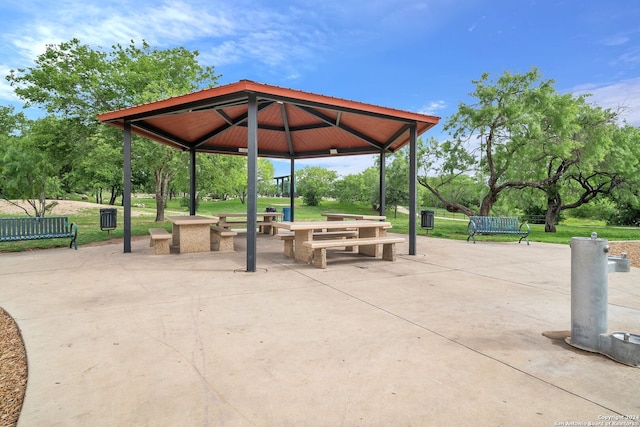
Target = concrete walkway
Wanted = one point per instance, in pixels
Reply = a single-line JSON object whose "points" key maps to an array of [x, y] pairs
{"points": [[451, 336]]}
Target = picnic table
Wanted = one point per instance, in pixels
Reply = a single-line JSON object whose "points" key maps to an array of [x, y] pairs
{"points": [[304, 232], [192, 233], [232, 219], [332, 216]]}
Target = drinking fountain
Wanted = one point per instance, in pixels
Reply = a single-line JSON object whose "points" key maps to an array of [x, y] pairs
{"points": [[590, 266]]}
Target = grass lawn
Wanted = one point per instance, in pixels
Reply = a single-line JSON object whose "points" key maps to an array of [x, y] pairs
{"points": [[446, 225]]}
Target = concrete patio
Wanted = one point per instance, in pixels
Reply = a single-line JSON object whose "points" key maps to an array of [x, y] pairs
{"points": [[451, 336]]}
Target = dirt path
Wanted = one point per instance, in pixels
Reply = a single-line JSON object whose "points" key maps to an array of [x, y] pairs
{"points": [[64, 207]]}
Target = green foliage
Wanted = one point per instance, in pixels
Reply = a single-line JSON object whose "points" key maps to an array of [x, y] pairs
{"points": [[314, 183], [185, 202], [362, 187], [463, 189], [603, 209], [397, 180], [521, 133], [266, 184], [625, 215], [28, 175], [74, 82]]}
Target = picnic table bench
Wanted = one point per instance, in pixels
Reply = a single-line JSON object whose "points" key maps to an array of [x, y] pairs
{"points": [[159, 241], [51, 227], [320, 247], [497, 225], [222, 238]]}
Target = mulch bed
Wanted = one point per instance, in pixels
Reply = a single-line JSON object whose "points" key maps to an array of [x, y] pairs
{"points": [[631, 248], [13, 370]]}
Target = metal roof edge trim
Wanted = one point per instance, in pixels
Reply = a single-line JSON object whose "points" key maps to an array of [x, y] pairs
{"points": [[246, 86]]}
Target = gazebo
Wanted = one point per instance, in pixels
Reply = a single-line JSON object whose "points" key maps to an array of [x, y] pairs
{"points": [[253, 119]]}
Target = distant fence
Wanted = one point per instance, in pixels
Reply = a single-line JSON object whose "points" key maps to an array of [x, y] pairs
{"points": [[443, 213]]}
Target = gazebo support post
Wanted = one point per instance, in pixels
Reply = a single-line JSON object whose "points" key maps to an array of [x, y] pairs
{"points": [[383, 183], [413, 190], [192, 181], [292, 180], [126, 192], [252, 194]]}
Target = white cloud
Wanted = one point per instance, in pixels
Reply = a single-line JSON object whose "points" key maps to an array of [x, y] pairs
{"points": [[616, 40], [623, 95], [224, 33], [433, 107]]}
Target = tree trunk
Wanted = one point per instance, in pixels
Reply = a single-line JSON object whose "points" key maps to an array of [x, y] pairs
{"points": [[114, 195], [160, 202], [554, 205], [487, 203]]}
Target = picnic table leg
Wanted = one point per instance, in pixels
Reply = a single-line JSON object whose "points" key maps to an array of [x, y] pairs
{"points": [[389, 252], [300, 252], [370, 250], [320, 258], [267, 228]]}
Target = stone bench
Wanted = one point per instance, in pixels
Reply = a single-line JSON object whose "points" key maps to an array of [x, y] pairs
{"points": [[222, 238], [159, 241], [320, 247]]}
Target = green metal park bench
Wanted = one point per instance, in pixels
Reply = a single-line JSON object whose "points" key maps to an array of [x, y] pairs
{"points": [[496, 225], [14, 229]]}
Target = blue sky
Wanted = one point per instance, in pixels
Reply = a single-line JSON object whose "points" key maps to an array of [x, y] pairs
{"points": [[412, 55]]}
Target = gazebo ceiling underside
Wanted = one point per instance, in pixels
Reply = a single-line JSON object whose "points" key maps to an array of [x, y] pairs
{"points": [[303, 126]]}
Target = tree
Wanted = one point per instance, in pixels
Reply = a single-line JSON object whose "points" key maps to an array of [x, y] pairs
{"points": [[314, 183], [265, 177], [522, 134], [362, 187], [75, 81], [27, 173], [100, 166], [613, 158], [397, 181]]}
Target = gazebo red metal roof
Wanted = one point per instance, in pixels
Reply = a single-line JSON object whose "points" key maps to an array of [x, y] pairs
{"points": [[291, 123]]}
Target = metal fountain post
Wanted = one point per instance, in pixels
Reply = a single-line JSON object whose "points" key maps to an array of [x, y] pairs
{"points": [[590, 266]]}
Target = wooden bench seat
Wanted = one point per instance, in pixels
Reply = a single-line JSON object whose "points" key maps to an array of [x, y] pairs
{"points": [[288, 238], [497, 225], [222, 238], [320, 247], [159, 241]]}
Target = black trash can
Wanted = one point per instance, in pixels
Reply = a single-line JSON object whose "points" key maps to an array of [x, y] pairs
{"points": [[108, 219], [271, 209], [426, 219]]}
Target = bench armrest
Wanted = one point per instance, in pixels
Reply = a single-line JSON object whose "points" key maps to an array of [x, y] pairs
{"points": [[525, 224], [472, 228]]}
